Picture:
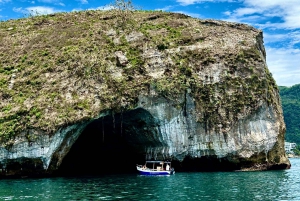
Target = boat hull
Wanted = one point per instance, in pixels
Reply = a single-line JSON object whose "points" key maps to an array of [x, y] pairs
{"points": [[155, 172]]}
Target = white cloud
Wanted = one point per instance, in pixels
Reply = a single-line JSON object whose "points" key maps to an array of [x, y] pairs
{"points": [[41, 10], [104, 8], [280, 21], [19, 10], [186, 2], [284, 64], [190, 2], [48, 1], [83, 1], [251, 19], [288, 11], [77, 9], [227, 13], [274, 38], [166, 8], [4, 1], [246, 11], [289, 39], [55, 2], [36, 10]]}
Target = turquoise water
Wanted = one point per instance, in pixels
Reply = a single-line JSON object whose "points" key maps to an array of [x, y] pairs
{"points": [[268, 185]]}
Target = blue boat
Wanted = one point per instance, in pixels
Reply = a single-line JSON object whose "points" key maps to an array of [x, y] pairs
{"points": [[156, 168]]}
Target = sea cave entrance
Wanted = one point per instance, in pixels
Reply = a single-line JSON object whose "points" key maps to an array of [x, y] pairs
{"points": [[112, 144]]}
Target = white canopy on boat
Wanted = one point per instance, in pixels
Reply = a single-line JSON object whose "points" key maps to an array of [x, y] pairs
{"points": [[158, 162]]}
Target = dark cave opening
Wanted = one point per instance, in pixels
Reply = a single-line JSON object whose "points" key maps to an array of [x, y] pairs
{"points": [[117, 142], [111, 144]]}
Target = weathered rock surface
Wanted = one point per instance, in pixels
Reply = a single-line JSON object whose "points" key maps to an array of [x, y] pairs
{"points": [[197, 92]]}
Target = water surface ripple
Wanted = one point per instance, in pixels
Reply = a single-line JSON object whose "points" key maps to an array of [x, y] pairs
{"points": [[267, 185]]}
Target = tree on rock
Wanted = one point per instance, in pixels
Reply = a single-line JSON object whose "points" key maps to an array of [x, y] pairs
{"points": [[123, 11]]}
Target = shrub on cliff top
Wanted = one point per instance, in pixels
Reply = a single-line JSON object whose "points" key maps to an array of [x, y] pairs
{"points": [[123, 11]]}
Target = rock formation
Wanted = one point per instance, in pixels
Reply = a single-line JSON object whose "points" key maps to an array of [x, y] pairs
{"points": [[77, 87]]}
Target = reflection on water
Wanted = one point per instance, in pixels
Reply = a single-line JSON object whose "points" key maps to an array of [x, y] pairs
{"points": [[268, 185]]}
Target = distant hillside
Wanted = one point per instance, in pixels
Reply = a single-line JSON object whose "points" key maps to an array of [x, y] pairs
{"points": [[290, 97]]}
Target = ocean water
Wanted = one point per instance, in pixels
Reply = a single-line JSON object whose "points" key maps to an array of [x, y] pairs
{"points": [[267, 185]]}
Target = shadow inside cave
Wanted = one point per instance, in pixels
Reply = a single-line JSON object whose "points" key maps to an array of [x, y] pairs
{"points": [[112, 144]]}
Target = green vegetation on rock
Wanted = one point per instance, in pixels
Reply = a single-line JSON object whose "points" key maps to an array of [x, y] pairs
{"points": [[65, 68]]}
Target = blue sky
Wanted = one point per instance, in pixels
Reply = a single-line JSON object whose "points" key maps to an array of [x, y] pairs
{"points": [[279, 19]]}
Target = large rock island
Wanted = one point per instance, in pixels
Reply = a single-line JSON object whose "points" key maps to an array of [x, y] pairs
{"points": [[87, 92]]}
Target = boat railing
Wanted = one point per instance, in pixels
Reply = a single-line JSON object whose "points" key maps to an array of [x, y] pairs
{"points": [[150, 169], [158, 168]]}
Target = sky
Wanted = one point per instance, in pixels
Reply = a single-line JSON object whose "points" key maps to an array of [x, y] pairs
{"points": [[279, 20]]}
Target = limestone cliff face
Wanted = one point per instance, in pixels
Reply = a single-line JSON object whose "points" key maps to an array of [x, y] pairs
{"points": [[166, 85]]}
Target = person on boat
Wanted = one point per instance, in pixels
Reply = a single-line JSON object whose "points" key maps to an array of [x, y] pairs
{"points": [[167, 167]]}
